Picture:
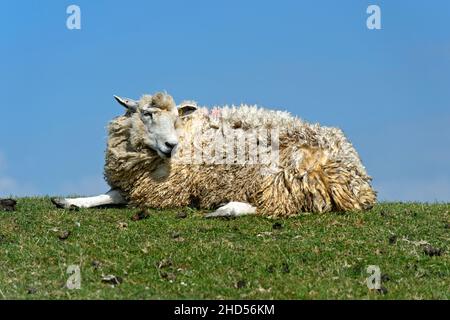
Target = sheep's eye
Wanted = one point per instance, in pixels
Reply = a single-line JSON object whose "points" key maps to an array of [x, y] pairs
{"points": [[148, 114]]}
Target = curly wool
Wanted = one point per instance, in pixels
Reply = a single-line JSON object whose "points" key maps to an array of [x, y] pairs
{"points": [[318, 170]]}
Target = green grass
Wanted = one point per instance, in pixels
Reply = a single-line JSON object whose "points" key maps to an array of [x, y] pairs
{"points": [[315, 256]]}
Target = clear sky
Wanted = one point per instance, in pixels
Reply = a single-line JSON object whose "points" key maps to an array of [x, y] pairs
{"points": [[388, 89]]}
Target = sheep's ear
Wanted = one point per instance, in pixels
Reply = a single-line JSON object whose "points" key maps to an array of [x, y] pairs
{"points": [[130, 104], [186, 109]]}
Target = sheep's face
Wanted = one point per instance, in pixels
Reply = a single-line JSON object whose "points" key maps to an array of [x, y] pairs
{"points": [[158, 121], [160, 129]]}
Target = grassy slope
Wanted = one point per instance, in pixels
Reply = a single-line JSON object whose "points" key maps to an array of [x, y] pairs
{"points": [[312, 256]]}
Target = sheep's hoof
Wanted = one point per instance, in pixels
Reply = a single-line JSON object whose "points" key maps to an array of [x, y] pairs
{"points": [[63, 204], [231, 210], [59, 203]]}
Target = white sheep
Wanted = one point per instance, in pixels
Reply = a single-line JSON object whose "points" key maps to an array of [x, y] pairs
{"points": [[238, 160]]}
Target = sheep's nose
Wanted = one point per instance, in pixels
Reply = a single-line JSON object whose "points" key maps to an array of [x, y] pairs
{"points": [[171, 145]]}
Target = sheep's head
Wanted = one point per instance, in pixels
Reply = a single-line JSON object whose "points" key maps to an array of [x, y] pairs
{"points": [[157, 120]]}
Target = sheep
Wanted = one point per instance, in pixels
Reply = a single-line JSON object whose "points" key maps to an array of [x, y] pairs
{"points": [[235, 160]]}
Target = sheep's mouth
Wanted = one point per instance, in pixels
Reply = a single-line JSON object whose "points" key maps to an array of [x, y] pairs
{"points": [[164, 154], [167, 154], [159, 152]]}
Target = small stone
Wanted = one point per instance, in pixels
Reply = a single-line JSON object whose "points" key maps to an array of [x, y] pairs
{"points": [[122, 225], [181, 215], [96, 264], [8, 205], [277, 226], [285, 267], [264, 234], [31, 290], [264, 290], [175, 235], [112, 279], [64, 235], [240, 284], [141, 215], [165, 263], [270, 268], [392, 239], [431, 251]]}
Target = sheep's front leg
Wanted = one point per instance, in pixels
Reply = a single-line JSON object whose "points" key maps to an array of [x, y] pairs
{"points": [[233, 209], [112, 197]]}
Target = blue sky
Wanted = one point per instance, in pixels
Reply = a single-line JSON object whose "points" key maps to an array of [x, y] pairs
{"points": [[388, 89]]}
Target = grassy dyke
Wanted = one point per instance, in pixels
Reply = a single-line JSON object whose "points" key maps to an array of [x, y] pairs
{"points": [[164, 256]]}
